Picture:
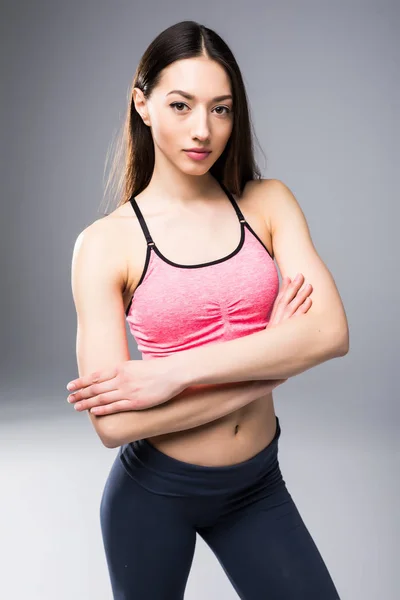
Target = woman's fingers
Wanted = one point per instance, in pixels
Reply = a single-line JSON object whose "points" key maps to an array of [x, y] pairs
{"points": [[304, 307], [291, 299], [300, 297], [286, 296], [109, 409], [293, 289], [280, 302], [278, 307]]}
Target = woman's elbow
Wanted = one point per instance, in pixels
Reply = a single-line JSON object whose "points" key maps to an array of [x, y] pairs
{"points": [[110, 443], [340, 339], [108, 435], [104, 430], [344, 343], [115, 430]]}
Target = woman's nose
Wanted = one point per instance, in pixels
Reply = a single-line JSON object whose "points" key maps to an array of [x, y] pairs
{"points": [[201, 127]]}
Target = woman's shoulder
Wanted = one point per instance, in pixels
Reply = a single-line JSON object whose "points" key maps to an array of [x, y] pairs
{"points": [[107, 230], [121, 232], [257, 189], [114, 228], [109, 241], [266, 196], [255, 199], [97, 246]]}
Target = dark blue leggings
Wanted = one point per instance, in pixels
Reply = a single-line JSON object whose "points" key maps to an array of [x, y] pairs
{"points": [[153, 506]]}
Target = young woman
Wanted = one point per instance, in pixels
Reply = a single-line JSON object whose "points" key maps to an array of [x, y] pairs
{"points": [[187, 258]]}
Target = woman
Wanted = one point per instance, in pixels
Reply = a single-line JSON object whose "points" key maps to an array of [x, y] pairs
{"points": [[187, 258]]}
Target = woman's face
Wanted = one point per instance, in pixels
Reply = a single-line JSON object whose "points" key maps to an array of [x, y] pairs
{"points": [[179, 122]]}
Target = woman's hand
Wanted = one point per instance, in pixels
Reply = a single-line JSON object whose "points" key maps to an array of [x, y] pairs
{"points": [[291, 301], [132, 385]]}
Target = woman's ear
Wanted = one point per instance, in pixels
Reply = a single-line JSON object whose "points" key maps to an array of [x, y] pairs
{"points": [[141, 105]]}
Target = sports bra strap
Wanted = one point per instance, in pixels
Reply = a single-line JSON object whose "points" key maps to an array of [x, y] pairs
{"points": [[146, 231], [234, 203], [142, 222]]}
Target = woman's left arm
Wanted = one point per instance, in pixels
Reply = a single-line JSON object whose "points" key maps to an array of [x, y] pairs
{"points": [[294, 345]]}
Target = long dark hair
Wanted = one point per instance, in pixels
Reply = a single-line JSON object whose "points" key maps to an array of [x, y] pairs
{"points": [[133, 160]]}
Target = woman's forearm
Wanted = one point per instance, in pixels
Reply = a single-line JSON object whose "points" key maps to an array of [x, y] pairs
{"points": [[278, 352], [191, 408]]}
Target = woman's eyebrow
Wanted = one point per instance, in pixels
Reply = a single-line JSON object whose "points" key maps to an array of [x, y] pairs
{"points": [[190, 97]]}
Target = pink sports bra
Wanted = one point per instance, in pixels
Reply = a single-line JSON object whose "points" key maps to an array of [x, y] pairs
{"points": [[177, 307]]}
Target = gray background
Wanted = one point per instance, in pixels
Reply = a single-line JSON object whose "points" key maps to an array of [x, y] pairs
{"points": [[323, 83]]}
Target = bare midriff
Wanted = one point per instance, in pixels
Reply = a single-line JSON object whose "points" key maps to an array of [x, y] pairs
{"points": [[229, 440]]}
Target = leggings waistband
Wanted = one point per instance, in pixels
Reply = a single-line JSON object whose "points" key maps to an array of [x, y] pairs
{"points": [[163, 474]]}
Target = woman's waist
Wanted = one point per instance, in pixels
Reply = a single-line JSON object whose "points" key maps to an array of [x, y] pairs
{"points": [[229, 440], [163, 474]]}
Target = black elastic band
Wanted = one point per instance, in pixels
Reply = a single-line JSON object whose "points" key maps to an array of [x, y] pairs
{"points": [[234, 203], [141, 221]]}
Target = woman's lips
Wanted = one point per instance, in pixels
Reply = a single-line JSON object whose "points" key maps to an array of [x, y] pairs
{"points": [[197, 155]]}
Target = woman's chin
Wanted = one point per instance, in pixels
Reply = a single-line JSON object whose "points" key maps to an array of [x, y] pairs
{"points": [[195, 169]]}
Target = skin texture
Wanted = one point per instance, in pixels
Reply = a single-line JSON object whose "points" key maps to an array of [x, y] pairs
{"points": [[182, 198]]}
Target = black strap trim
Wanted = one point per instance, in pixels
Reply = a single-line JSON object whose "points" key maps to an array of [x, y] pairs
{"points": [[146, 231], [234, 203], [142, 222]]}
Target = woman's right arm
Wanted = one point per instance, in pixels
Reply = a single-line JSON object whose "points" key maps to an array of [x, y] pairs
{"points": [[191, 408], [98, 280]]}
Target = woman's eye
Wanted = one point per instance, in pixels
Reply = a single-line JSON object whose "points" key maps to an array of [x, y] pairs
{"points": [[228, 110], [180, 104]]}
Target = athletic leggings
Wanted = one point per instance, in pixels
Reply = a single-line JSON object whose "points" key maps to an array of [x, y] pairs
{"points": [[153, 506]]}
